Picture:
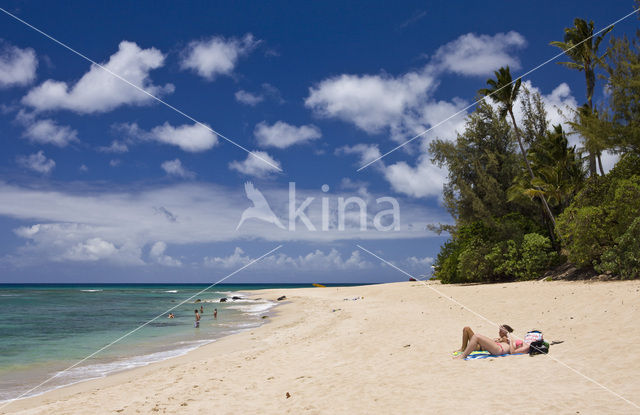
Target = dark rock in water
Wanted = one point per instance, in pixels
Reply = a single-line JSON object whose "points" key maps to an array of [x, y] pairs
{"points": [[235, 297], [198, 300], [284, 297], [265, 316], [223, 300]]}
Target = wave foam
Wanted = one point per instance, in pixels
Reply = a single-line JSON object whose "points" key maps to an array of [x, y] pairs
{"points": [[255, 309]]}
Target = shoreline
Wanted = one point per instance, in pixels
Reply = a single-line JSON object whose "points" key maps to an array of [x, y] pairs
{"points": [[388, 350], [169, 351], [181, 352], [86, 384]]}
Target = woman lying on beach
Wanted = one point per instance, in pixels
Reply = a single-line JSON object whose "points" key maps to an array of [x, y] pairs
{"points": [[504, 344]]}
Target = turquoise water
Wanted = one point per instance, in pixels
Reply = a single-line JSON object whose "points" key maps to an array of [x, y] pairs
{"points": [[44, 329]]}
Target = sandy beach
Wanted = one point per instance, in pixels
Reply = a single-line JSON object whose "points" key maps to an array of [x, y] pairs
{"points": [[390, 352]]}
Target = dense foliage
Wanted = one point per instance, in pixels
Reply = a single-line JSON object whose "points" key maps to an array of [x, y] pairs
{"points": [[600, 227], [523, 198]]}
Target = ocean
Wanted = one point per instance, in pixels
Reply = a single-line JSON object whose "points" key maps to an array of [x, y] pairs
{"points": [[45, 328]]}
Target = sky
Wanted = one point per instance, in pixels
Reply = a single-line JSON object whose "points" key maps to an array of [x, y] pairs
{"points": [[142, 168]]}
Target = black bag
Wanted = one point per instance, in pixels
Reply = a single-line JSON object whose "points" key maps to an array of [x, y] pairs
{"points": [[538, 347]]}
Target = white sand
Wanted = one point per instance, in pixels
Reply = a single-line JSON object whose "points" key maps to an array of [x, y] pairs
{"points": [[390, 353]]}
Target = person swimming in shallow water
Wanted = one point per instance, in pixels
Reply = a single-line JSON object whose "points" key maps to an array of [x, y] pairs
{"points": [[504, 344], [197, 322]]}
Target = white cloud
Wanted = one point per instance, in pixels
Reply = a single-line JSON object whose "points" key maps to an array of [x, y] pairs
{"points": [[115, 147], [260, 166], [175, 168], [416, 262], [609, 160], [558, 104], [332, 260], [283, 135], [367, 152], [268, 92], [192, 138], [217, 55], [53, 222], [115, 162], [27, 231], [46, 131], [479, 55], [404, 104], [37, 162], [248, 98], [100, 91], [401, 105], [316, 260], [235, 260], [371, 102], [434, 113], [93, 249], [17, 66], [158, 256], [422, 180]]}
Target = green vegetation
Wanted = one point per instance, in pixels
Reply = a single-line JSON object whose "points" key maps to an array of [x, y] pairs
{"points": [[599, 227], [523, 199]]}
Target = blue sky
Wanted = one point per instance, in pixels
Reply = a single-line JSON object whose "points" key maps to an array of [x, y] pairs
{"points": [[100, 183]]}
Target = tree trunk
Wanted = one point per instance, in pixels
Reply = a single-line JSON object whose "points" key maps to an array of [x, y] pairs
{"points": [[592, 157], [550, 228], [526, 160], [592, 165], [600, 164]]}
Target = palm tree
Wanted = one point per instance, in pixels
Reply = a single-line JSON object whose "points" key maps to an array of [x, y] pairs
{"points": [[559, 169], [595, 128], [582, 47], [504, 91]]}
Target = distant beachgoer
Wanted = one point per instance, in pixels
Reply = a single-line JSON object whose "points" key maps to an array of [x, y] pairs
{"points": [[201, 310], [197, 322], [171, 315], [215, 313], [504, 344]]}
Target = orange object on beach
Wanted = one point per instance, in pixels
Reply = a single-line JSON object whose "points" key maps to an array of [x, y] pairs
{"points": [[319, 285]]}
